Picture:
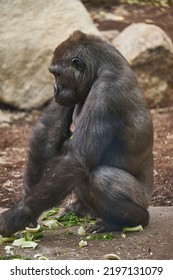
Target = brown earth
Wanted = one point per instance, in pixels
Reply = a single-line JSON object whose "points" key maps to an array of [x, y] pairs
{"points": [[160, 16], [15, 128]]}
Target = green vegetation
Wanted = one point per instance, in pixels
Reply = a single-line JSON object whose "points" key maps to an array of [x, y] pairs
{"points": [[69, 220], [47, 214], [108, 236]]}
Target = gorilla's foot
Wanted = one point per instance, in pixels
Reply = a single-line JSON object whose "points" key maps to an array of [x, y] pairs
{"points": [[3, 226], [14, 219], [100, 227]]}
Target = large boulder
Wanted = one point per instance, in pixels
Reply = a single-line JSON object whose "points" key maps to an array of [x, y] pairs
{"points": [[149, 50], [30, 30]]}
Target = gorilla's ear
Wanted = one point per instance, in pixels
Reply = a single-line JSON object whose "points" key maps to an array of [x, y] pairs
{"points": [[77, 63]]}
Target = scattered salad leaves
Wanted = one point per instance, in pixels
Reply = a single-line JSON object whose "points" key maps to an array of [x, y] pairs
{"points": [[132, 229], [47, 214]]}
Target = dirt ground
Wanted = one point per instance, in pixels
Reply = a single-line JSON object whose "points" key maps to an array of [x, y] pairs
{"points": [[63, 243], [160, 16], [15, 128]]}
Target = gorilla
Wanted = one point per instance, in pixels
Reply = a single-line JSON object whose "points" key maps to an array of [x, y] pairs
{"points": [[107, 161]]}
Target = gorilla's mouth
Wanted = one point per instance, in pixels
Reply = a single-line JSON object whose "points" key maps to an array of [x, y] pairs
{"points": [[59, 100], [57, 89]]}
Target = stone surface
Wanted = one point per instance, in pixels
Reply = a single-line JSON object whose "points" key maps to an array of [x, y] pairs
{"points": [[30, 31], [110, 34], [149, 50], [154, 242]]}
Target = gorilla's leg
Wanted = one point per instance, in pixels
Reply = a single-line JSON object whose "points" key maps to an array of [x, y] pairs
{"points": [[47, 139], [115, 197], [118, 200], [63, 175]]}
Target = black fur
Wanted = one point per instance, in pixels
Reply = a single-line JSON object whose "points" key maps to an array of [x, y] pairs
{"points": [[108, 161]]}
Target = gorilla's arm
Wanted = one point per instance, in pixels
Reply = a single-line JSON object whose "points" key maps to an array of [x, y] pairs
{"points": [[107, 121], [48, 135], [108, 162]]}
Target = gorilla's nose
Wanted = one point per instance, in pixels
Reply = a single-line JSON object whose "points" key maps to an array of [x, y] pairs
{"points": [[57, 89]]}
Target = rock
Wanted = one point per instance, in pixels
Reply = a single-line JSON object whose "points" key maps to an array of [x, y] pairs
{"points": [[121, 10], [112, 16], [110, 34], [149, 50], [30, 31]]}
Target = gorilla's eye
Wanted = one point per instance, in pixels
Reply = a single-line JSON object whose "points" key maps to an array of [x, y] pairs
{"points": [[77, 63]]}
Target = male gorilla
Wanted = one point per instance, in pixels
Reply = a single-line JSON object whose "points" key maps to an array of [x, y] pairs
{"points": [[108, 160]]}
